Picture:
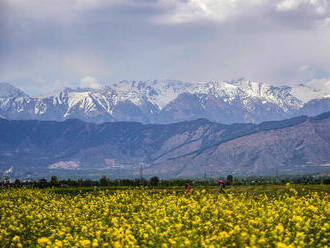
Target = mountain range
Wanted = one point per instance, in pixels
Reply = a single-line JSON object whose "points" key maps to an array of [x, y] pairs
{"points": [[169, 101], [183, 149]]}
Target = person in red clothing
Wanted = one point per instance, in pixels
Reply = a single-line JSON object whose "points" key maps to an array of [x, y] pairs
{"points": [[187, 188]]}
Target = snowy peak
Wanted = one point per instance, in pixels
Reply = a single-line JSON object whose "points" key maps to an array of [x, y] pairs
{"points": [[157, 92], [218, 89], [7, 90], [280, 96], [162, 93], [316, 89], [167, 101], [248, 92], [79, 100]]}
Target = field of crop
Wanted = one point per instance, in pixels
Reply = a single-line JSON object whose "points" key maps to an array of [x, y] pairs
{"points": [[141, 217]]}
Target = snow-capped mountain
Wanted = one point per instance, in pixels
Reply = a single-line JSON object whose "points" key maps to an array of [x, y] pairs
{"points": [[165, 102], [316, 89], [159, 93]]}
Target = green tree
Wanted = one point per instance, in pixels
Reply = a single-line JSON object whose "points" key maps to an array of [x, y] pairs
{"points": [[104, 181], [154, 181], [17, 183], [54, 181], [229, 180]]}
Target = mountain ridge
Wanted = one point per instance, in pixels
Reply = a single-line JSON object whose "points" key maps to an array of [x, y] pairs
{"points": [[297, 151], [164, 102], [296, 145]]}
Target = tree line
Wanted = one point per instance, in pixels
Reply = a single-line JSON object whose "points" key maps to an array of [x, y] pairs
{"points": [[54, 181]]}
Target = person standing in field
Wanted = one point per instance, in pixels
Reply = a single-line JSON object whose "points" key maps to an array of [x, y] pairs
{"points": [[222, 186], [187, 188]]}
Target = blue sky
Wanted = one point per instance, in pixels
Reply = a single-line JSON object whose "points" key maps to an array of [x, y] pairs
{"points": [[49, 44]]}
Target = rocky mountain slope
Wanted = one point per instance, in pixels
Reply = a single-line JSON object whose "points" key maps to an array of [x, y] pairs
{"points": [[190, 148], [166, 102], [299, 145]]}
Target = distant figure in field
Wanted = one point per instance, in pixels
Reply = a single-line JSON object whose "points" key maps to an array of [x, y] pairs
{"points": [[222, 186], [187, 188]]}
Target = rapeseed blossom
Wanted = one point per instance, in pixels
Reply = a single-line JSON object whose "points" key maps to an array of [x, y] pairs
{"points": [[150, 218]]}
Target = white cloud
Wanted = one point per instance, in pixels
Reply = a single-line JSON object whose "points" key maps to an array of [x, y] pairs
{"points": [[194, 10], [263, 40], [178, 12], [319, 6], [322, 85], [171, 11], [90, 82], [287, 5]]}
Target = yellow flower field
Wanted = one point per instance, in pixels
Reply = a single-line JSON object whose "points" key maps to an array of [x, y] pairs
{"points": [[150, 218]]}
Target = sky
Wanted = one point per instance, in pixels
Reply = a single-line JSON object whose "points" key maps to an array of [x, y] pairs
{"points": [[51, 44]]}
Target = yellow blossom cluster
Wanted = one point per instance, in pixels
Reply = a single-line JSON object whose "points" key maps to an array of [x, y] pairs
{"points": [[151, 218]]}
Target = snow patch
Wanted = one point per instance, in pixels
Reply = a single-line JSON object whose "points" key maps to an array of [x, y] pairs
{"points": [[9, 171], [314, 89], [67, 165]]}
